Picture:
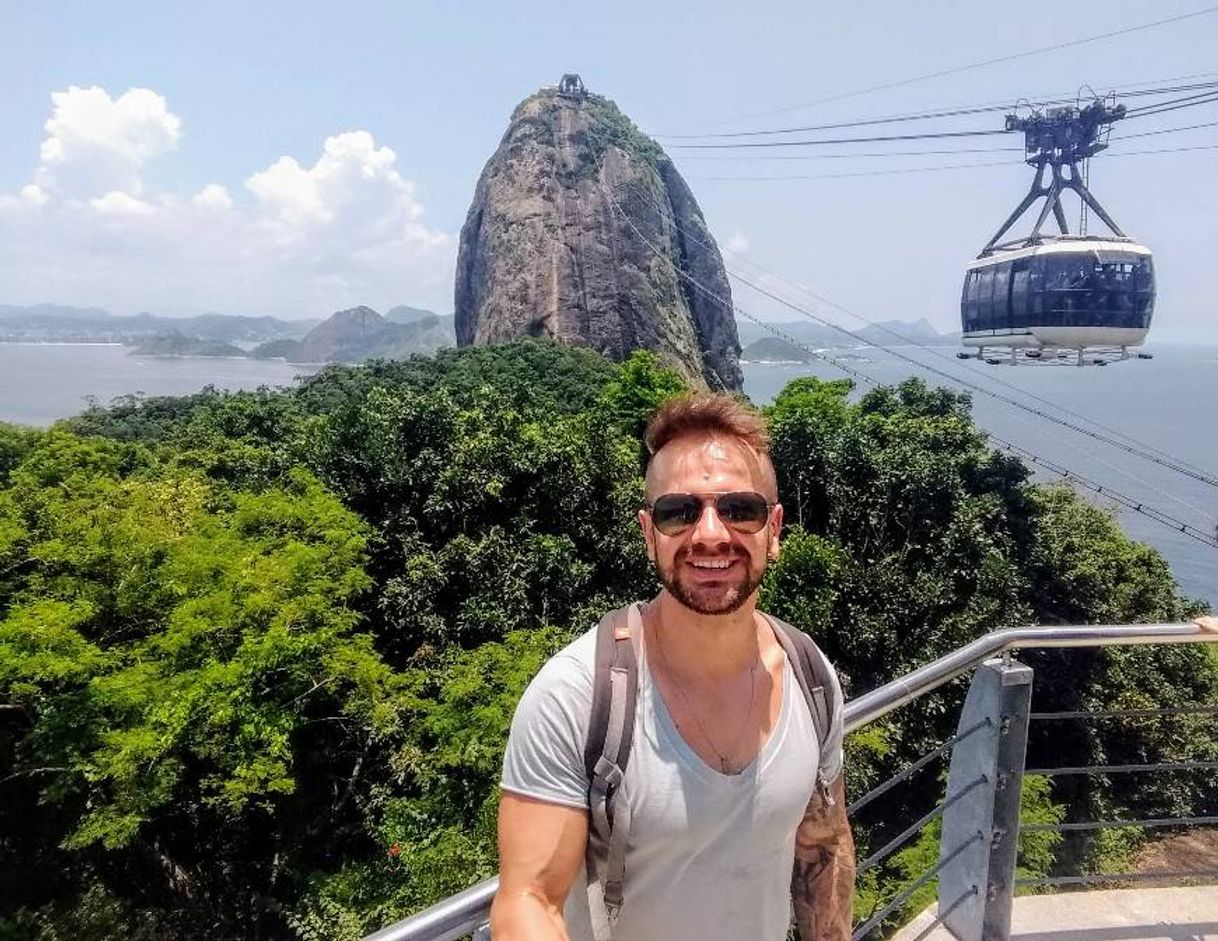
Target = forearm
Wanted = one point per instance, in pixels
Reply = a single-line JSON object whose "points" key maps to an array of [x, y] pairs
{"points": [[526, 916], [822, 889]]}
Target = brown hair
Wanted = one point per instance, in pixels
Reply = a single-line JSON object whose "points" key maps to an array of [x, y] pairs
{"points": [[710, 414]]}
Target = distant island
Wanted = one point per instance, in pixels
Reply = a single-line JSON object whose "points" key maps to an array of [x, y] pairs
{"points": [[350, 335]]}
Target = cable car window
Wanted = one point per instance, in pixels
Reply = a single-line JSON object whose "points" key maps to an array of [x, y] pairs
{"points": [[1018, 312], [1002, 297], [985, 299], [1036, 290], [969, 302]]}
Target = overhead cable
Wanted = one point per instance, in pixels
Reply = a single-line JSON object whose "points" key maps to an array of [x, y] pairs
{"points": [[956, 70], [937, 113]]}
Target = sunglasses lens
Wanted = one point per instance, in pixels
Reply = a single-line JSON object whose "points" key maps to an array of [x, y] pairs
{"points": [[675, 512], [745, 512]]}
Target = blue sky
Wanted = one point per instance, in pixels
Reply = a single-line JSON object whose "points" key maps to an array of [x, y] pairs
{"points": [[179, 198]]}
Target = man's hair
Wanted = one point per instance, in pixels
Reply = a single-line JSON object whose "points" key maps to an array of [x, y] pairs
{"points": [[706, 414], [712, 415]]}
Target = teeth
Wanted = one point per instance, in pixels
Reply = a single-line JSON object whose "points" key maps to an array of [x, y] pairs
{"points": [[722, 564]]}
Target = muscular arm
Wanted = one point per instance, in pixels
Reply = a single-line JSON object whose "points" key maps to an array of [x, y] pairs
{"points": [[541, 847], [822, 885]]}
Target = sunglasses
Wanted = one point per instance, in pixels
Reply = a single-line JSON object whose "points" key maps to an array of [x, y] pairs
{"points": [[742, 510]]}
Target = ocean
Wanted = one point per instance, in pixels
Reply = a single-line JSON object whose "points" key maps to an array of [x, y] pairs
{"points": [[1165, 403]]}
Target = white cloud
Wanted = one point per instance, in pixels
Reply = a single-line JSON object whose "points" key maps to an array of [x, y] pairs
{"points": [[212, 196], [33, 193], [313, 233], [118, 203], [98, 144], [737, 242]]}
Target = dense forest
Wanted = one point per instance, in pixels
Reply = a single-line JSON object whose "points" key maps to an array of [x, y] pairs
{"points": [[259, 650]]}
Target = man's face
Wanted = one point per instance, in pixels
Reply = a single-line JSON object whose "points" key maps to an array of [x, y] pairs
{"points": [[711, 568]]}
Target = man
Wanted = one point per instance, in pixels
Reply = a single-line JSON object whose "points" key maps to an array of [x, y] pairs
{"points": [[728, 826]]}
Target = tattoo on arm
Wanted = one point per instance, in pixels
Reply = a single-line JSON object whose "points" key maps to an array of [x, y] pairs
{"points": [[822, 883]]}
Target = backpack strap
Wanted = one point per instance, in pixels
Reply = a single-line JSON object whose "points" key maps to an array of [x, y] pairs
{"points": [[615, 684], [813, 674]]}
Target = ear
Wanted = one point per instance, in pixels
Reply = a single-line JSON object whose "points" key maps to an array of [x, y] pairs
{"points": [[775, 531], [649, 535]]}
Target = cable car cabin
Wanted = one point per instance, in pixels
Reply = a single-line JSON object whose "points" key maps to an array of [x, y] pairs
{"points": [[1078, 293]]}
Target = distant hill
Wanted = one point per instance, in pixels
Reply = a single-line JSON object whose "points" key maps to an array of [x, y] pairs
{"points": [[404, 314], [882, 333], [360, 333], [51, 322], [772, 349]]}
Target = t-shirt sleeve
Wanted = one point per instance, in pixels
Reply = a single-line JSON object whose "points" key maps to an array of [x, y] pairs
{"points": [[832, 757], [545, 749]]}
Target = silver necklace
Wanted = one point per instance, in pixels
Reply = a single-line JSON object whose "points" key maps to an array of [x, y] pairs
{"points": [[725, 764]]}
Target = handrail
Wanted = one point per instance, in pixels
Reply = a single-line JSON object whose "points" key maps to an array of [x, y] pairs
{"points": [[466, 911]]}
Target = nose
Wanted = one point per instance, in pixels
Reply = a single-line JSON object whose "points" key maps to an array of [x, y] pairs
{"points": [[710, 530]]}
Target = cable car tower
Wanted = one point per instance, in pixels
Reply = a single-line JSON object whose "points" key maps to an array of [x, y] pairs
{"points": [[1050, 296]]}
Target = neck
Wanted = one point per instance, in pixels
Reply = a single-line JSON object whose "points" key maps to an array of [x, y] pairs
{"points": [[704, 646]]}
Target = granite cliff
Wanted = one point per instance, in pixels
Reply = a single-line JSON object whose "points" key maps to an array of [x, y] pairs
{"points": [[582, 230]]}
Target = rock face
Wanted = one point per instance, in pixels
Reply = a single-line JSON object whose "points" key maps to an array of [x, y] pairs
{"points": [[582, 230]]}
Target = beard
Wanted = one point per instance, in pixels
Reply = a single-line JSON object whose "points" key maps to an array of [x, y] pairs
{"points": [[723, 598]]}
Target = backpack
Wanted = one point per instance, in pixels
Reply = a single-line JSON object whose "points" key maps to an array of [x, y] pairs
{"points": [[607, 751]]}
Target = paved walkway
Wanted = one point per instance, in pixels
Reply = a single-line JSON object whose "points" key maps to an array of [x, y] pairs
{"points": [[1164, 914]]}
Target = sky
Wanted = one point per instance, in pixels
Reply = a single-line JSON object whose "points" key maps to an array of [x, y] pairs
{"points": [[297, 158]]}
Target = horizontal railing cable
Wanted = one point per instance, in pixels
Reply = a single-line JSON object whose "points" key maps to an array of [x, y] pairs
{"points": [[918, 765], [1126, 713], [1148, 823], [907, 893], [937, 811], [1127, 769]]}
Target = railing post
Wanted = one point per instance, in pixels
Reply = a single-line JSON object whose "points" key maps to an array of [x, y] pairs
{"points": [[976, 887]]}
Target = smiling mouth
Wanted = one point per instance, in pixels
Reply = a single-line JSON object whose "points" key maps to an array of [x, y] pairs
{"points": [[712, 565]]}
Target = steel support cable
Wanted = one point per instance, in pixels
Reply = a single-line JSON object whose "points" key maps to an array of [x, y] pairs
{"points": [[1126, 713], [1148, 823], [933, 814], [956, 70], [1167, 130], [1138, 506], [897, 335], [1186, 101], [1201, 513], [1126, 769], [1106, 155], [1116, 495], [1121, 877], [907, 893], [918, 765], [935, 114], [937, 135]]}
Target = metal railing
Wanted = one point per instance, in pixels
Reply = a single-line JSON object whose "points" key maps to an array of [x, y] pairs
{"points": [[981, 812]]}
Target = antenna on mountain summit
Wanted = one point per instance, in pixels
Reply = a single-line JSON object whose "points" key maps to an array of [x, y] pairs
{"points": [[571, 86]]}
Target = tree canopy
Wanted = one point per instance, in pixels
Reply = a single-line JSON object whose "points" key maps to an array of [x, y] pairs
{"points": [[259, 650]]}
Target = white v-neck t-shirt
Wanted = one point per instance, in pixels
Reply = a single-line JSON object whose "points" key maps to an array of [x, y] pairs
{"points": [[709, 855]]}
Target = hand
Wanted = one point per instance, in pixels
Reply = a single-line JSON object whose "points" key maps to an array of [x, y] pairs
{"points": [[1209, 623]]}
